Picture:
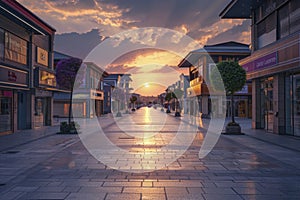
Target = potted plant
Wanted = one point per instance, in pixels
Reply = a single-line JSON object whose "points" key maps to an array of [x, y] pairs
{"points": [[234, 79]]}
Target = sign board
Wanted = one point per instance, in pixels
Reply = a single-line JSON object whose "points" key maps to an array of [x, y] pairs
{"points": [[13, 76], [261, 63], [42, 56]]}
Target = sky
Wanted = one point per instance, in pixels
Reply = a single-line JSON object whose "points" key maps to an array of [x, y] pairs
{"points": [[148, 38]]}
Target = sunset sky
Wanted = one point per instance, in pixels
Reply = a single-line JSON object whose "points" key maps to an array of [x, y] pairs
{"points": [[188, 25]]}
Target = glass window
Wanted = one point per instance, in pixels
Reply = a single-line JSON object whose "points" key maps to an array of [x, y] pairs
{"points": [[1, 44], [284, 21], [295, 16], [266, 31], [5, 114], [15, 48]]}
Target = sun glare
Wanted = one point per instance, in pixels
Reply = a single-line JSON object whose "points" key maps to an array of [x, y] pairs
{"points": [[147, 85]]}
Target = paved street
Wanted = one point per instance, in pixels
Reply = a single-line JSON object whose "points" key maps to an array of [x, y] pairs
{"points": [[239, 167]]}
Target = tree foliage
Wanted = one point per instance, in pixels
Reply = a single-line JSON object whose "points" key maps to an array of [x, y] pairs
{"points": [[133, 99], [232, 74], [176, 94], [66, 72], [66, 76]]}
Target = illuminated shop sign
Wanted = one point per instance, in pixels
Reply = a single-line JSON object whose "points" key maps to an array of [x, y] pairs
{"points": [[13, 76], [261, 63], [47, 78], [42, 56]]}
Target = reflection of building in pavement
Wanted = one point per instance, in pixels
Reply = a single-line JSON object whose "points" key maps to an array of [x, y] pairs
{"points": [[274, 65], [200, 62], [26, 69]]}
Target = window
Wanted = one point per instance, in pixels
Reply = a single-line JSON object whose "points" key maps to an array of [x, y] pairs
{"points": [[1, 44], [266, 31], [294, 16], [15, 48], [284, 24]]}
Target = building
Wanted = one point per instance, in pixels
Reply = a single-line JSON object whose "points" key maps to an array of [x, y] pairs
{"points": [[26, 69], [200, 62], [89, 98], [274, 65], [117, 86]]}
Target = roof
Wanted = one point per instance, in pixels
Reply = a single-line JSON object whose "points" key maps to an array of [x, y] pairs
{"points": [[60, 56], [24, 15], [226, 47], [221, 48], [239, 9], [96, 67]]}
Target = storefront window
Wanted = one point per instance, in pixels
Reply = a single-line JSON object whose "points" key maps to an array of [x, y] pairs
{"points": [[295, 16], [266, 31], [15, 48], [1, 44], [296, 105], [5, 111]]}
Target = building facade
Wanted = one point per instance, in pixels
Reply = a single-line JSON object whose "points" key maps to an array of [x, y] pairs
{"points": [[26, 69], [117, 92], [89, 98], [200, 62], [274, 65]]}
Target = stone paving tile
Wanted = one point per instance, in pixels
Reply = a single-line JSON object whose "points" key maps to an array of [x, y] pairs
{"points": [[71, 189], [125, 184], [174, 190], [147, 184], [246, 190], [86, 189], [185, 197], [270, 197], [221, 197], [153, 196], [160, 190], [24, 189], [11, 195], [123, 196], [44, 195], [50, 189], [86, 196], [195, 190], [177, 184], [219, 191]]}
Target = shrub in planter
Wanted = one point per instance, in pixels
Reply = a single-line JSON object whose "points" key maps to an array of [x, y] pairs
{"points": [[69, 128]]}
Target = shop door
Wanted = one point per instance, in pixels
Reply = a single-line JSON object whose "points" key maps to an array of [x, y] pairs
{"points": [[22, 109], [267, 105], [296, 105], [98, 108], [47, 111], [5, 114]]}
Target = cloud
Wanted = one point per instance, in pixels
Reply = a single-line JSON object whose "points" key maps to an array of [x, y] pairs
{"points": [[77, 45]]}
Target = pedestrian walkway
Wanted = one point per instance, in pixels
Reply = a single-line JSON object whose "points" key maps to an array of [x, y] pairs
{"points": [[285, 141], [22, 137]]}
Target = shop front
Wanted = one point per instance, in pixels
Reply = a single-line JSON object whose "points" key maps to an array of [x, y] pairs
{"points": [[275, 75], [43, 97], [14, 100]]}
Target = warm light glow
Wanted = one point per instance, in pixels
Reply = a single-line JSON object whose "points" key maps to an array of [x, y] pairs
{"points": [[147, 85]]}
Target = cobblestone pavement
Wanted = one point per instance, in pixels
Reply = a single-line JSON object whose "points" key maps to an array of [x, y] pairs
{"points": [[239, 167]]}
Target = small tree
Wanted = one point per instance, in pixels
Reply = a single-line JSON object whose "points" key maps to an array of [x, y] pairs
{"points": [[133, 99], [168, 98], [118, 95], [66, 72], [178, 93], [234, 79]]}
